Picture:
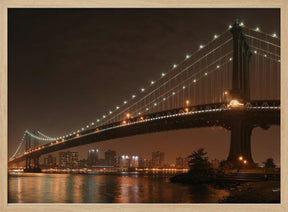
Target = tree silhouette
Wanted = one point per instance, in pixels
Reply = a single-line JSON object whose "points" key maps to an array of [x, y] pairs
{"points": [[269, 163], [198, 161]]}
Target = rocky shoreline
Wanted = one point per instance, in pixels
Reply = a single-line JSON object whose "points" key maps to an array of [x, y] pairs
{"points": [[264, 191], [254, 192]]}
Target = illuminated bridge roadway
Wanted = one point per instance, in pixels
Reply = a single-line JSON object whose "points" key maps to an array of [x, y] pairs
{"points": [[239, 69]]}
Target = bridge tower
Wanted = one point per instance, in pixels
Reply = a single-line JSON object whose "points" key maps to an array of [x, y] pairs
{"points": [[240, 145]]}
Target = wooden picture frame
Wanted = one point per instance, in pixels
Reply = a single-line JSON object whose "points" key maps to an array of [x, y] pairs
{"points": [[5, 4]]}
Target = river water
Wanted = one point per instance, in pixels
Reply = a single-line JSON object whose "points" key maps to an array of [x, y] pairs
{"points": [[80, 188]]}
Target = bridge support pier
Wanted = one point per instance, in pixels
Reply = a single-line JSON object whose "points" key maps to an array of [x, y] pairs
{"points": [[240, 144]]}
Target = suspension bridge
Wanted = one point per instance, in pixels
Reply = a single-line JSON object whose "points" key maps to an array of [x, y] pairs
{"points": [[233, 81]]}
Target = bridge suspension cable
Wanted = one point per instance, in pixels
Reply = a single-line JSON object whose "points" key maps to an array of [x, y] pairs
{"points": [[203, 77]]}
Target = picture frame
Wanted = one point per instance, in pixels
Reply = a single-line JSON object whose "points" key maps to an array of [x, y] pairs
{"points": [[5, 4]]}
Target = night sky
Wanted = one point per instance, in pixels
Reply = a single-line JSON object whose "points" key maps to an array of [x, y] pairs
{"points": [[67, 67]]}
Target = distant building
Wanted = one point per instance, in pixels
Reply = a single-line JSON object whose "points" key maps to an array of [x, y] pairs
{"points": [[68, 159], [186, 162], [215, 163], [124, 161], [141, 162], [83, 163], [100, 162], [134, 162], [157, 159], [144, 163], [92, 157], [50, 161], [110, 158], [179, 163]]}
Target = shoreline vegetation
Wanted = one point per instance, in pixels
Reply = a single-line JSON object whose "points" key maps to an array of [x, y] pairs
{"points": [[250, 185]]}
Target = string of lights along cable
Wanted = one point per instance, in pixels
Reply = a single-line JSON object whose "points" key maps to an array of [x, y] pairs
{"points": [[203, 77]]}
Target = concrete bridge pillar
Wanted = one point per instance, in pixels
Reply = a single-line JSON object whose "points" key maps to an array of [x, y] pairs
{"points": [[240, 143]]}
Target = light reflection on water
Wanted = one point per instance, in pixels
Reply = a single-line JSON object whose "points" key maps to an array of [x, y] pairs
{"points": [[69, 188]]}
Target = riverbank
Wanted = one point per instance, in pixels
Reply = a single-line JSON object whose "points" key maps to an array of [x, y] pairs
{"points": [[254, 192]]}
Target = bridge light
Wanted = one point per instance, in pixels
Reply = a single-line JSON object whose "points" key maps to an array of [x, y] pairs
{"points": [[77, 135], [125, 102], [110, 112], [164, 99], [186, 110], [215, 36], [194, 80], [155, 104], [104, 116], [230, 59], [124, 122], [173, 93], [235, 103], [98, 120], [274, 35], [175, 65], [201, 47], [141, 118], [87, 126], [82, 128], [163, 74], [245, 161], [230, 26], [117, 107], [133, 96], [218, 66], [187, 56], [241, 24], [257, 29], [265, 55], [183, 87], [206, 74], [142, 89], [240, 158], [279, 61], [187, 102], [152, 82], [147, 108], [128, 115], [226, 92], [92, 123]]}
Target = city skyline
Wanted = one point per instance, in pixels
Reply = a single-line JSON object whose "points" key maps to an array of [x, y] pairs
{"points": [[64, 159], [56, 107]]}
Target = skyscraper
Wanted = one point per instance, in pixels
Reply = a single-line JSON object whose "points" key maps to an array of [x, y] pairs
{"points": [[124, 161], [179, 162], [110, 158], [92, 157], [50, 161], [134, 161], [68, 159], [158, 159]]}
